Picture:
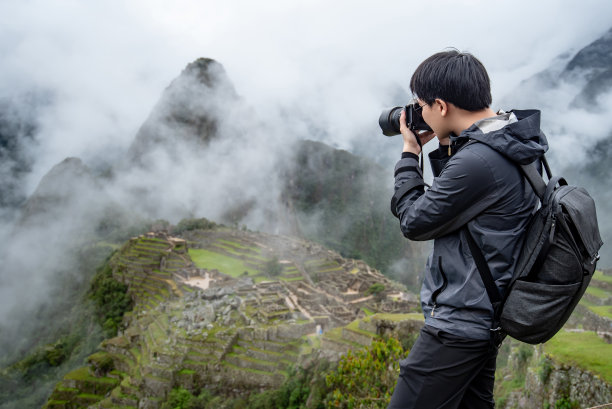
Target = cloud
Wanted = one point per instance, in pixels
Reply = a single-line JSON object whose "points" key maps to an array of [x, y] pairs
{"points": [[335, 64]]}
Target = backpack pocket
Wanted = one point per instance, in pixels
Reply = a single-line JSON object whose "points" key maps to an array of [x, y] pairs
{"points": [[534, 312]]}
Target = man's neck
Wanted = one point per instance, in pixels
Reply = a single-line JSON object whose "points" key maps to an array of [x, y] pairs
{"points": [[465, 119]]}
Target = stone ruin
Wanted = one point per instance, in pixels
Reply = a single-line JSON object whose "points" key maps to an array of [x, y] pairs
{"points": [[201, 326]]}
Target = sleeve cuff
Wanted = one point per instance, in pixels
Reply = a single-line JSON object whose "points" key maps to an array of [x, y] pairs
{"points": [[406, 155]]}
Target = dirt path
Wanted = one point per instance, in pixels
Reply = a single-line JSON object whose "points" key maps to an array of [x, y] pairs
{"points": [[200, 282]]}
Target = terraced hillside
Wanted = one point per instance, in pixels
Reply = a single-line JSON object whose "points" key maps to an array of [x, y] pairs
{"points": [[231, 310], [598, 297], [573, 369], [594, 312]]}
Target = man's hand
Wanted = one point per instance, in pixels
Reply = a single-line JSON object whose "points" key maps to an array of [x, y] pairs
{"points": [[410, 142]]}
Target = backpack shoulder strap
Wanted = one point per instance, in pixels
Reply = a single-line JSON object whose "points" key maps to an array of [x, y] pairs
{"points": [[485, 275], [535, 179]]}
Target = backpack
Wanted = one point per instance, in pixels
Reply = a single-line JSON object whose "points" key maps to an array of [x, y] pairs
{"points": [[555, 265]]}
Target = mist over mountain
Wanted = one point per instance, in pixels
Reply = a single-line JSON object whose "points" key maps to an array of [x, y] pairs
{"points": [[575, 96], [200, 152], [19, 115]]}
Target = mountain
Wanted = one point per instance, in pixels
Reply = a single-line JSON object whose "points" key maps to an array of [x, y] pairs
{"points": [[573, 94], [18, 128], [77, 214], [190, 111], [233, 310], [594, 63]]}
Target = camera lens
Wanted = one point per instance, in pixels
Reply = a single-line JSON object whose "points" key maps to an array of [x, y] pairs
{"points": [[389, 121]]}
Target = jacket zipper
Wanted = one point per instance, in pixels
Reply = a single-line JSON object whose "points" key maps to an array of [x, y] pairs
{"points": [[436, 293]]}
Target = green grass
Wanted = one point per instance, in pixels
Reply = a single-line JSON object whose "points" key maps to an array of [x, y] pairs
{"points": [[335, 334], [367, 311], [83, 374], [598, 292], [354, 326], [603, 310], [255, 371], [239, 245], [210, 260], [398, 317], [584, 350], [599, 276]]}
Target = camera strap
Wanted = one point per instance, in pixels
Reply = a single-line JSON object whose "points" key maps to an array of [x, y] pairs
{"points": [[421, 157]]}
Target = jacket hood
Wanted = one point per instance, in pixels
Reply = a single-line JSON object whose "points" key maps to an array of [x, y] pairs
{"points": [[515, 134]]}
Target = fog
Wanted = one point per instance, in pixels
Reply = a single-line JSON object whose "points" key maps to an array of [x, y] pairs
{"points": [[302, 70]]}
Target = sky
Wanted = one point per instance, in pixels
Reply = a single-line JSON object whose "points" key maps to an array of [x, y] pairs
{"points": [[338, 64], [307, 69]]}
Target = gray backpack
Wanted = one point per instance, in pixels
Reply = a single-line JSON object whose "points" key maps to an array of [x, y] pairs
{"points": [[555, 266]]}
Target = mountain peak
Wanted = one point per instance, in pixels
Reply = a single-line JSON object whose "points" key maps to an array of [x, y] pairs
{"points": [[595, 57], [189, 110]]}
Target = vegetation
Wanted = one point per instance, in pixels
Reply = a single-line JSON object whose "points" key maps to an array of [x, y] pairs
{"points": [[363, 379], [584, 350], [111, 299], [194, 224], [564, 403], [302, 385], [211, 260], [598, 292], [600, 276], [366, 378], [180, 398], [50, 355], [512, 363], [273, 268]]}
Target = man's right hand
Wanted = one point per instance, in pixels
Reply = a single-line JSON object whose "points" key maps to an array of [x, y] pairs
{"points": [[410, 139]]}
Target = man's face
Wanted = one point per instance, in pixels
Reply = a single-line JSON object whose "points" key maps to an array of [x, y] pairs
{"points": [[432, 114]]}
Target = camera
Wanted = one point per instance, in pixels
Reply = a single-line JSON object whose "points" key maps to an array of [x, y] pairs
{"points": [[389, 119]]}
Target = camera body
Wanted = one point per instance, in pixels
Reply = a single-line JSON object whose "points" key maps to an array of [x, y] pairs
{"points": [[389, 119]]}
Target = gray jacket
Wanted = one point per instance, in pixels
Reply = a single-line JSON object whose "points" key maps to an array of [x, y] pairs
{"points": [[479, 187]]}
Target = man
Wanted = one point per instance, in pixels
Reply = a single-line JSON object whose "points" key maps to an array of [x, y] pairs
{"points": [[478, 189]]}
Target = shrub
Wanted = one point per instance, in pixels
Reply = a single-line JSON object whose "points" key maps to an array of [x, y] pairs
{"points": [[194, 224], [273, 268], [544, 369], [180, 398], [111, 299], [376, 289], [566, 403], [365, 378]]}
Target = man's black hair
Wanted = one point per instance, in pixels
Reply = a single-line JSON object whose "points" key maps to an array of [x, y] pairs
{"points": [[455, 77]]}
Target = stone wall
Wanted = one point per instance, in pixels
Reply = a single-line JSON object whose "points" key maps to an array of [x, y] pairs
{"points": [[548, 382]]}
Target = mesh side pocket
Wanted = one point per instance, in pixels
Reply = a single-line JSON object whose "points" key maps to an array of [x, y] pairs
{"points": [[533, 311], [563, 263]]}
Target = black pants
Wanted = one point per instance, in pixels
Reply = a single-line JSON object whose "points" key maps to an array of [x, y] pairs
{"points": [[446, 371]]}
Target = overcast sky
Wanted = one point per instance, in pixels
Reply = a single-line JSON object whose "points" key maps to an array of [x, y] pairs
{"points": [[107, 63]]}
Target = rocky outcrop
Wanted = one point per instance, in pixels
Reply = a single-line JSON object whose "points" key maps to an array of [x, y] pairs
{"points": [[547, 382], [189, 112]]}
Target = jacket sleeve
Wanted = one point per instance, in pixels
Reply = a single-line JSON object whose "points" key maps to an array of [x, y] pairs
{"points": [[464, 188]]}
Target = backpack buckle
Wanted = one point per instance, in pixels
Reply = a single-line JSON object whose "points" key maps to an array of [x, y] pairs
{"points": [[597, 257]]}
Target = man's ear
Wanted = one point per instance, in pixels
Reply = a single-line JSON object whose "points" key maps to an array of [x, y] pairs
{"points": [[441, 107]]}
